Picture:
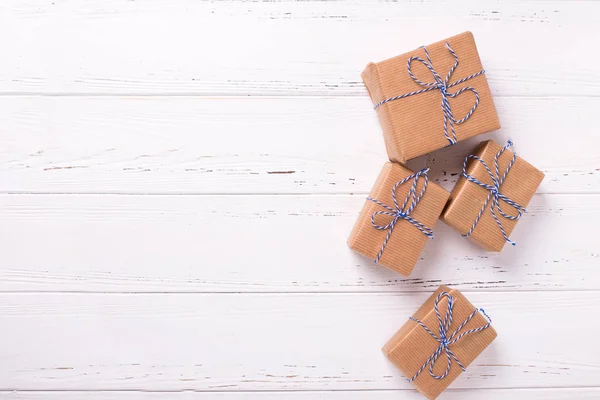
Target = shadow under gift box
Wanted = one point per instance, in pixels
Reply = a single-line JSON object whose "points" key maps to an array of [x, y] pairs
{"points": [[467, 198], [406, 241], [411, 347], [414, 125]]}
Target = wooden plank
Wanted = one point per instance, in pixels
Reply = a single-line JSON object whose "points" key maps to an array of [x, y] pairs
{"points": [[529, 48], [271, 244], [259, 145], [450, 394], [277, 342]]}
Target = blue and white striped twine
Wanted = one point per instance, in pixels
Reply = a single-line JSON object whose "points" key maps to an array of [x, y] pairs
{"points": [[442, 85], [494, 191], [398, 213], [446, 340]]}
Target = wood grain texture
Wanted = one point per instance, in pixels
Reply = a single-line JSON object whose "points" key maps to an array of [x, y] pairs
{"points": [[274, 342], [271, 244], [450, 394], [529, 48], [259, 145], [177, 180]]}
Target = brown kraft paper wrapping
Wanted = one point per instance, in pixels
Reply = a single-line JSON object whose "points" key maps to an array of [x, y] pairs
{"points": [[467, 198], [414, 125], [412, 346], [406, 241]]}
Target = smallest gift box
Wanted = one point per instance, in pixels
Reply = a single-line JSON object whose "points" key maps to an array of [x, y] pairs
{"points": [[491, 195], [431, 97], [439, 341], [398, 217]]}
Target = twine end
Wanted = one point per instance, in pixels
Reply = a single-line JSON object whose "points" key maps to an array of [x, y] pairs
{"points": [[481, 310]]}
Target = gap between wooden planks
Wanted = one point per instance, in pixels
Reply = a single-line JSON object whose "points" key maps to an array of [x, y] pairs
{"points": [[449, 394]]}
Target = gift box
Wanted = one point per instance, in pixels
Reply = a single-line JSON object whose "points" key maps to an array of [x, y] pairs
{"points": [[439, 341], [491, 195], [398, 217], [431, 97]]}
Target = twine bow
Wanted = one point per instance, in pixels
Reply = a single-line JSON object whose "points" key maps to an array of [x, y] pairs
{"points": [[494, 191], [442, 85], [402, 212], [446, 340]]}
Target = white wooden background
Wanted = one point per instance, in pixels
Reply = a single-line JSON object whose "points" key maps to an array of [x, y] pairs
{"points": [[178, 179]]}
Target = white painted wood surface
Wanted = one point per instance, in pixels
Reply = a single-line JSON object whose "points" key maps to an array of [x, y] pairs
{"points": [[285, 47], [273, 341], [210, 244], [177, 181], [205, 145]]}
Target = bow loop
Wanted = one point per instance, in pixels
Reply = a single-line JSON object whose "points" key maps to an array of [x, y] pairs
{"points": [[437, 81], [445, 339], [402, 211], [386, 226], [443, 85], [494, 197], [471, 111]]}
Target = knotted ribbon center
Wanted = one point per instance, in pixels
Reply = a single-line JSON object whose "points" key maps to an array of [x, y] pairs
{"points": [[495, 196], [445, 340], [442, 85], [403, 212]]}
